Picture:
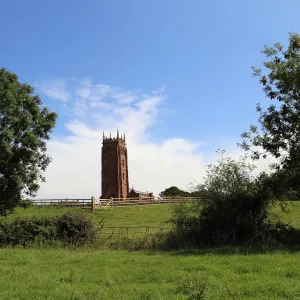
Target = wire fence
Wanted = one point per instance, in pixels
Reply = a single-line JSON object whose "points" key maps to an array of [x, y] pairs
{"points": [[130, 232]]}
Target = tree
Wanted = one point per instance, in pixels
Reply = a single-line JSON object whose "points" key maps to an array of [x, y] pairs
{"points": [[281, 184], [233, 210], [24, 129], [280, 122], [174, 191]]}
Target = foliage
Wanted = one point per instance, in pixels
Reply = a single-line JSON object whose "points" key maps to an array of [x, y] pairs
{"points": [[75, 228], [234, 211], [174, 191], [280, 130], [68, 229], [281, 184], [24, 129], [25, 203], [137, 217]]}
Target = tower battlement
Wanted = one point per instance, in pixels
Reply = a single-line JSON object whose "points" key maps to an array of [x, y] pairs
{"points": [[114, 139]]}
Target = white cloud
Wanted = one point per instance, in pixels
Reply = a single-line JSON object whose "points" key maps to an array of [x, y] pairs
{"points": [[75, 170], [55, 89]]}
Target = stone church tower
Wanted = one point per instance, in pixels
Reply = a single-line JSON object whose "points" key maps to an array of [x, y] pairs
{"points": [[114, 167]]}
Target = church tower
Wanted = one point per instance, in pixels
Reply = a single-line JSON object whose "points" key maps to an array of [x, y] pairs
{"points": [[114, 167]]}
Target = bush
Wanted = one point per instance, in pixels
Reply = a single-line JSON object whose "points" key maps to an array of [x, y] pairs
{"points": [[25, 203], [234, 210], [68, 229], [75, 228]]}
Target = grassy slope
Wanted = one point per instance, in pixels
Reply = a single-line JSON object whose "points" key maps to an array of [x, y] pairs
{"points": [[91, 274], [292, 216], [145, 215]]}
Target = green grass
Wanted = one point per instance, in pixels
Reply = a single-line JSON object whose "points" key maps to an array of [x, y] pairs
{"points": [[144, 215], [91, 274], [224, 273], [292, 216]]}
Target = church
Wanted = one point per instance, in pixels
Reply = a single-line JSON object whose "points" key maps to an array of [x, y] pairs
{"points": [[115, 181]]}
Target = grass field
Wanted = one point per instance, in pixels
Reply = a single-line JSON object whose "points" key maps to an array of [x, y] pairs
{"points": [[90, 274], [224, 273], [292, 216], [144, 215]]}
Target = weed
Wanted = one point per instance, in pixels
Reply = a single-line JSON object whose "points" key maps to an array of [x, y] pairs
{"points": [[193, 287]]}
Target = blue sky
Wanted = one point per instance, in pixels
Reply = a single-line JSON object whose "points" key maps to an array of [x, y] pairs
{"points": [[195, 56]]}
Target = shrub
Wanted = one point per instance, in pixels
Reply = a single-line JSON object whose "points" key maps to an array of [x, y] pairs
{"points": [[75, 228], [68, 229], [234, 210], [25, 203]]}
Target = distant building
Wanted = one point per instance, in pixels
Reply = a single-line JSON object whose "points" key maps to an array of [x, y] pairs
{"points": [[115, 170], [137, 194]]}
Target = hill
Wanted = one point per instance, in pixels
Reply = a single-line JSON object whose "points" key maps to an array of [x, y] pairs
{"points": [[144, 215]]}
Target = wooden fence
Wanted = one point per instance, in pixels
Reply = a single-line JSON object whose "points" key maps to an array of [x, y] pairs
{"points": [[120, 202], [93, 203], [84, 203]]}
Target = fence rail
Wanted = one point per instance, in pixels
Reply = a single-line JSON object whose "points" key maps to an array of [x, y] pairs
{"points": [[63, 202], [113, 202]]}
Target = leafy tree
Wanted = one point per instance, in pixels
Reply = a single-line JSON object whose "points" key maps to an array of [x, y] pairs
{"points": [[24, 129], [174, 191], [233, 211], [281, 184], [280, 122]]}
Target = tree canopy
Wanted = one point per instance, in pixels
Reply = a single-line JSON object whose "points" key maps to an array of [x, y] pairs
{"points": [[25, 125], [174, 191], [279, 133]]}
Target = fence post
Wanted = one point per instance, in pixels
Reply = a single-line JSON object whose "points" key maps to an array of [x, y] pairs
{"points": [[112, 201], [93, 203]]}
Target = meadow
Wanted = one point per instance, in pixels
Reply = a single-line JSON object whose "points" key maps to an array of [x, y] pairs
{"points": [[144, 215], [89, 273], [225, 273]]}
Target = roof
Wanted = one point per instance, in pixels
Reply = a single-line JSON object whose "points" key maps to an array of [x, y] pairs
{"points": [[139, 192]]}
